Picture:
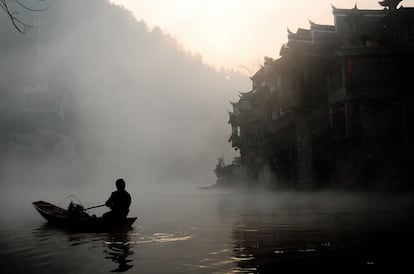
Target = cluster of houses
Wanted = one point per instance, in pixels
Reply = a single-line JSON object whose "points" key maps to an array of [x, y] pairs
{"points": [[335, 109]]}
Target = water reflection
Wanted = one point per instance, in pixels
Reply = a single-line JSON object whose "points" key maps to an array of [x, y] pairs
{"points": [[118, 250], [229, 233], [115, 246], [317, 239], [260, 248]]}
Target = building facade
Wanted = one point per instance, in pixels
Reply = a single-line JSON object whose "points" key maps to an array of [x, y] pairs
{"points": [[336, 107]]}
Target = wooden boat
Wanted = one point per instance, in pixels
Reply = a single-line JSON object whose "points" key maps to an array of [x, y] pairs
{"points": [[76, 218]]}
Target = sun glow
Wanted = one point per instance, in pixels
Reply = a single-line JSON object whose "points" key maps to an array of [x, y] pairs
{"points": [[223, 32], [236, 33]]}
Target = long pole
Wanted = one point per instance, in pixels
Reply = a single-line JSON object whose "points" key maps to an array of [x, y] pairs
{"points": [[94, 207]]}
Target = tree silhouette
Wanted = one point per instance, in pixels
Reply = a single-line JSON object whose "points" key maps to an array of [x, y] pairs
{"points": [[12, 8]]}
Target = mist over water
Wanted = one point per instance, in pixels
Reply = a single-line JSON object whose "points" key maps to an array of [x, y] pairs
{"points": [[187, 231], [90, 95]]}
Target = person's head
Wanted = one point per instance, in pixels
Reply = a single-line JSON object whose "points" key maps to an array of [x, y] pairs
{"points": [[120, 184]]}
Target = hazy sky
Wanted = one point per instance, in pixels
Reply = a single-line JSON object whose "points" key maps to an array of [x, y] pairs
{"points": [[234, 33]]}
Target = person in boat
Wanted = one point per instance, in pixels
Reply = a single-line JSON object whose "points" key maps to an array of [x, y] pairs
{"points": [[118, 202]]}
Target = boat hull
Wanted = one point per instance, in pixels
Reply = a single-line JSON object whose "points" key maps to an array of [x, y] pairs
{"points": [[60, 217]]}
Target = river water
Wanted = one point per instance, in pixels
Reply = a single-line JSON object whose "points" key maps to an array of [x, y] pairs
{"points": [[205, 231]]}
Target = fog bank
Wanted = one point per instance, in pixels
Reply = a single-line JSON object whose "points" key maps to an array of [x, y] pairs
{"points": [[90, 95]]}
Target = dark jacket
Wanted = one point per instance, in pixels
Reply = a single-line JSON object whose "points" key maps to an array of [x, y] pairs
{"points": [[119, 202]]}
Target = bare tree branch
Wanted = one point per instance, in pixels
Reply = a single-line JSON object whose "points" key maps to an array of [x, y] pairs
{"points": [[13, 14], [31, 9]]}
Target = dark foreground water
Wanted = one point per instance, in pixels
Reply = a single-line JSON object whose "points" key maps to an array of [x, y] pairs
{"points": [[222, 232]]}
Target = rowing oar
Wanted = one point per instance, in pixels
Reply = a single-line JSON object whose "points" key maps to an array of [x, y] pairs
{"points": [[94, 207]]}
